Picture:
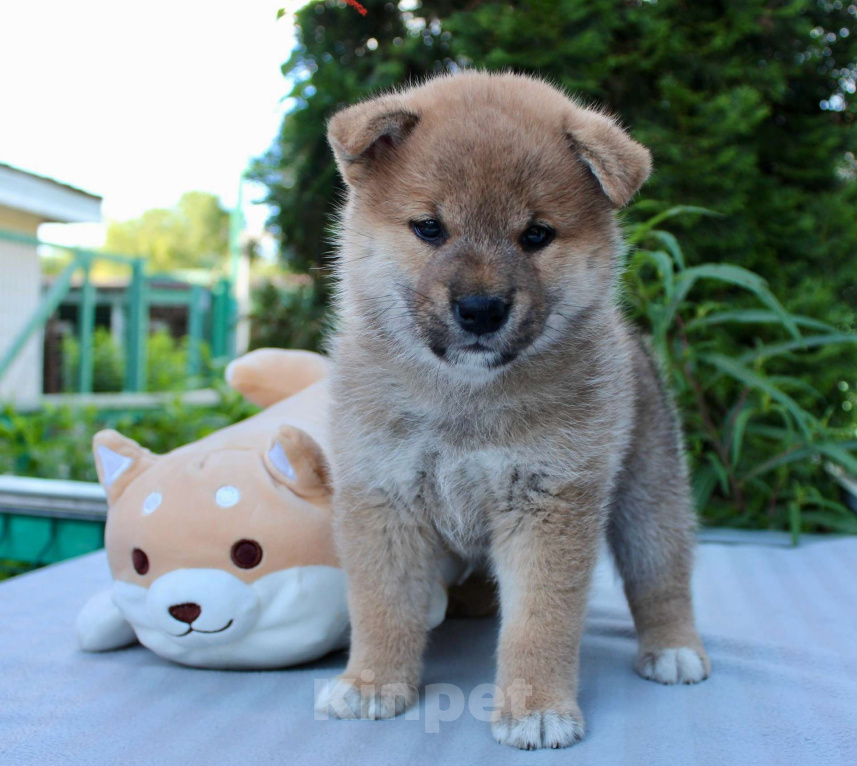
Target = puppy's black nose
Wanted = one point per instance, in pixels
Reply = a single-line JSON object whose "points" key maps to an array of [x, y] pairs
{"points": [[185, 612], [481, 314]]}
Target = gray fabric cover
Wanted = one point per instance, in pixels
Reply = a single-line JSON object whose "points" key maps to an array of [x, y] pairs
{"points": [[780, 624]]}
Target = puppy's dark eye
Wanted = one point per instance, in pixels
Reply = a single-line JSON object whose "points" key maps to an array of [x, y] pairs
{"points": [[537, 237], [429, 230], [246, 554], [140, 561]]}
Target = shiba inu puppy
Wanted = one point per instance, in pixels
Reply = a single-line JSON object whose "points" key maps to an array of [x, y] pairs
{"points": [[489, 397]]}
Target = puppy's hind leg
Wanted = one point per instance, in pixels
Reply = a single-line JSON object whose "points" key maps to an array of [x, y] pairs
{"points": [[651, 533]]}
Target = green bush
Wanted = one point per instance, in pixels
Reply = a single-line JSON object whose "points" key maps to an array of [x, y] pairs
{"points": [[166, 363], [54, 443], [288, 317], [107, 363], [761, 423]]}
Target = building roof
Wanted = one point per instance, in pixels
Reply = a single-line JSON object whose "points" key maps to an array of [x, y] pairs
{"points": [[46, 198]]}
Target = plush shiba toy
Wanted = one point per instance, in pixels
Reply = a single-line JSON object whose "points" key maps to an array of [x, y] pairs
{"points": [[222, 551]]}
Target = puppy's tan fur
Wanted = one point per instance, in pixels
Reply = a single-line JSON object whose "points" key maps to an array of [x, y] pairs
{"points": [[524, 451]]}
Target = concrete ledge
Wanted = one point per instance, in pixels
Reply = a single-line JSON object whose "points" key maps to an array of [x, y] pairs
{"points": [[54, 498]]}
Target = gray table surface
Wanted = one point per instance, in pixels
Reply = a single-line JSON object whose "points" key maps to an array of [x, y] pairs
{"points": [[780, 624]]}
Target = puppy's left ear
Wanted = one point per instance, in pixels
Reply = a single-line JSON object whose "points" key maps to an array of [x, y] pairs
{"points": [[369, 133], [617, 161]]}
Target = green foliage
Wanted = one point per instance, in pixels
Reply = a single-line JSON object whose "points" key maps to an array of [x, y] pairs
{"points": [[166, 363], [9, 568], [758, 429], [287, 317], [55, 443], [107, 362], [194, 234], [748, 108]]}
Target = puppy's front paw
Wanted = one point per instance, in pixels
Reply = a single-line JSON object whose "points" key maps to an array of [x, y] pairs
{"points": [[349, 698], [682, 665], [541, 728]]}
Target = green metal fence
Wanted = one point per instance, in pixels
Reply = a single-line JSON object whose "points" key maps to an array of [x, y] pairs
{"points": [[217, 301]]}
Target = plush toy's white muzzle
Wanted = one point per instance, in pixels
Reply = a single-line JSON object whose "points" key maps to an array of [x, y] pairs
{"points": [[202, 607], [209, 618]]}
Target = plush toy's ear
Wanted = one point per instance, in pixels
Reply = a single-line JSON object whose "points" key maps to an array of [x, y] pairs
{"points": [[365, 134], [619, 163], [119, 461], [269, 375], [295, 459]]}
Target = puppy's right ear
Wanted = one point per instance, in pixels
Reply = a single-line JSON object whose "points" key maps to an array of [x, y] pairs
{"points": [[365, 134], [119, 461], [619, 164]]}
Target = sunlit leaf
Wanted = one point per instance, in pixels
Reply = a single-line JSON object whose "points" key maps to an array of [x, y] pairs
{"points": [[754, 380], [638, 233], [734, 275], [811, 341], [671, 244], [843, 522], [753, 316]]}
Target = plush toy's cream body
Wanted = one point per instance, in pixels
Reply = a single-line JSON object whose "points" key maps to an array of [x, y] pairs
{"points": [[222, 551]]}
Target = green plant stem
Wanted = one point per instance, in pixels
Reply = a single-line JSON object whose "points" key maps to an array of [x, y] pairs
{"points": [[705, 414]]}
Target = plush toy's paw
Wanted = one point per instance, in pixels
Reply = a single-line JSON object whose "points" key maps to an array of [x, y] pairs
{"points": [[348, 698], [682, 665], [101, 627], [541, 728]]}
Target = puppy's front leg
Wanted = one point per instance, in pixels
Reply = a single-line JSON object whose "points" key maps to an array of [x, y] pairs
{"points": [[389, 558], [544, 553]]}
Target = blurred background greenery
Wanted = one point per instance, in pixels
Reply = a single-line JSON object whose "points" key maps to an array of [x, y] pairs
{"points": [[742, 263]]}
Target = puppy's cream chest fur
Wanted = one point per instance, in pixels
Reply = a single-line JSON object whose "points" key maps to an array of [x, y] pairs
{"points": [[419, 465]]}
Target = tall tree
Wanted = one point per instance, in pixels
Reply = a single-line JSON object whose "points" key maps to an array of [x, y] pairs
{"points": [[193, 234]]}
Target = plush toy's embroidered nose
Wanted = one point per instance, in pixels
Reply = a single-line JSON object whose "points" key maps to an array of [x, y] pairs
{"points": [[186, 612]]}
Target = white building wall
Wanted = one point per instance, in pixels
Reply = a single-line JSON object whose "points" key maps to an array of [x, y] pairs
{"points": [[20, 287]]}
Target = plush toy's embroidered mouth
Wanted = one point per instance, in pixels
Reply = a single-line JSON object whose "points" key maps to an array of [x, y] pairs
{"points": [[196, 630]]}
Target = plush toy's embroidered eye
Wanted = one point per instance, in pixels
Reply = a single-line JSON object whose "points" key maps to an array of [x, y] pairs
{"points": [[152, 503], [429, 231], [537, 237], [140, 560], [246, 554], [227, 496]]}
